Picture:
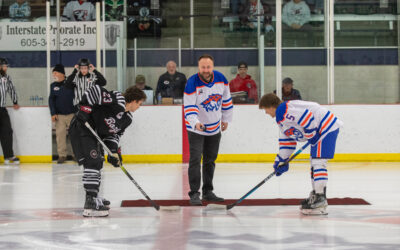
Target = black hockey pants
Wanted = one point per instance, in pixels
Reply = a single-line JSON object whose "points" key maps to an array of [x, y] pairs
{"points": [[88, 153]]}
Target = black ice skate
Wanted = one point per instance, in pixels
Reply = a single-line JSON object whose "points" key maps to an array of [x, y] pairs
{"points": [[317, 205], [12, 160], [303, 203], [94, 207], [105, 201]]}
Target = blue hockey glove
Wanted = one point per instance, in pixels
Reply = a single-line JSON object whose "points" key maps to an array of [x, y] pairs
{"points": [[280, 169]]}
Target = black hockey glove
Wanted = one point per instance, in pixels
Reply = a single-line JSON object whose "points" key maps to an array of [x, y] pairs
{"points": [[115, 159], [83, 114]]}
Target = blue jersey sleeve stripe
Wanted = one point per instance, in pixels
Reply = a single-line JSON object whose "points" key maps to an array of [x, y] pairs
{"points": [[320, 170], [227, 108], [289, 139], [190, 106], [309, 122], [287, 148], [191, 113], [330, 126], [302, 117], [227, 100], [320, 179], [323, 119], [211, 124]]}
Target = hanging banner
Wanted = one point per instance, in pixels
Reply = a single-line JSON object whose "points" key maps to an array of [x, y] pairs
{"points": [[31, 36]]}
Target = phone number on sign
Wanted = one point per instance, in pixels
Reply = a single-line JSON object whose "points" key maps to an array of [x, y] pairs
{"points": [[65, 42]]}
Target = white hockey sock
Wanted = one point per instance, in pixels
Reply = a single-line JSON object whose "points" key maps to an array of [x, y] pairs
{"points": [[320, 174]]}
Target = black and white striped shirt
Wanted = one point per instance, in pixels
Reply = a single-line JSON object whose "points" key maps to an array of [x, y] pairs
{"points": [[80, 83], [6, 85]]}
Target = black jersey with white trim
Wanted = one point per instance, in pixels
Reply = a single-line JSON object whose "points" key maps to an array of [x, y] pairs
{"points": [[108, 116]]}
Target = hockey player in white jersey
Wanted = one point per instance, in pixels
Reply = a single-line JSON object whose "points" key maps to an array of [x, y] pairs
{"points": [[208, 110], [301, 121]]}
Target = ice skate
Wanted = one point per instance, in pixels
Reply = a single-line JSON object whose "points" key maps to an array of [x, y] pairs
{"points": [[11, 161], [94, 207], [317, 205]]}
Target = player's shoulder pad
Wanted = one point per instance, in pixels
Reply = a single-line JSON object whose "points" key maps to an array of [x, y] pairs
{"points": [[281, 111]]}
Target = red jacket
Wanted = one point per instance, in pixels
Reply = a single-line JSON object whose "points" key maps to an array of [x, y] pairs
{"points": [[247, 84]]}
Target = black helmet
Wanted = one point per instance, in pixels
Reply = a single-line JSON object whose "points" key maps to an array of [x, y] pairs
{"points": [[3, 61], [84, 62]]}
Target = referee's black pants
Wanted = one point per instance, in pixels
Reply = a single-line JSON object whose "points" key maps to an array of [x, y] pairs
{"points": [[6, 134], [206, 146]]}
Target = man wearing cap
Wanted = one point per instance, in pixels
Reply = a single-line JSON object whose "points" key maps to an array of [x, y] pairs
{"points": [[140, 83], [243, 82], [62, 110], [288, 92]]}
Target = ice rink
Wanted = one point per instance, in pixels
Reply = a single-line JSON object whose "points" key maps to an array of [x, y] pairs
{"points": [[41, 206]]}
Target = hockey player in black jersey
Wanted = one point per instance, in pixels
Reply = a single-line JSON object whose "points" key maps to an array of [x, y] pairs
{"points": [[107, 112], [83, 77]]}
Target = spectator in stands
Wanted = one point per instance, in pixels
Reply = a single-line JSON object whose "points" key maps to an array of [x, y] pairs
{"points": [[61, 109], [20, 11], [288, 92], [79, 11], [171, 83], [140, 83], [296, 14], [114, 10], [243, 82], [142, 20]]}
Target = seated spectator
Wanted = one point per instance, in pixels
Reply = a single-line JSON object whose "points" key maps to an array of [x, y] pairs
{"points": [[171, 83], [62, 110], [243, 82], [140, 83], [295, 15], [142, 20], [20, 11], [288, 92], [79, 11]]}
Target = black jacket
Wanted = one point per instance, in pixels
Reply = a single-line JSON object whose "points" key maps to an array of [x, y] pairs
{"points": [[171, 85], [60, 99]]}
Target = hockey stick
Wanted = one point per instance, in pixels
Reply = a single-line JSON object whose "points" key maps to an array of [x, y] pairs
{"points": [[157, 207], [267, 178]]}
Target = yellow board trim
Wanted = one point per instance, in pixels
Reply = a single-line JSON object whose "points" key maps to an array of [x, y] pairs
{"points": [[152, 158], [177, 158], [32, 158]]}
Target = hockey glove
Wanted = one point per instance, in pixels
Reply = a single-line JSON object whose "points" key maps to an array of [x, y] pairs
{"points": [[83, 114], [115, 159], [315, 139], [280, 169]]}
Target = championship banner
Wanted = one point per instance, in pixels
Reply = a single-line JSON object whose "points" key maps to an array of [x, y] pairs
{"points": [[31, 36]]}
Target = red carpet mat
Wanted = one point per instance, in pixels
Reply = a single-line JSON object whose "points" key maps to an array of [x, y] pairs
{"points": [[249, 202]]}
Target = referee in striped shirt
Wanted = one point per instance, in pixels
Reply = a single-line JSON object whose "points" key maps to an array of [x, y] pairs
{"points": [[6, 132], [83, 77]]}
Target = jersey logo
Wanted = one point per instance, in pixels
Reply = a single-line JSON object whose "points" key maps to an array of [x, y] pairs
{"points": [[80, 15], [293, 132], [110, 122], [212, 103]]}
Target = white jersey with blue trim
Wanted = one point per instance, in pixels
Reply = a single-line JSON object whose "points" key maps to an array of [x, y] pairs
{"points": [[301, 121], [207, 103]]}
